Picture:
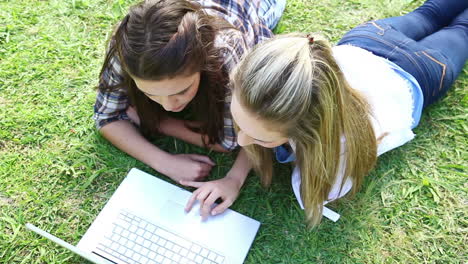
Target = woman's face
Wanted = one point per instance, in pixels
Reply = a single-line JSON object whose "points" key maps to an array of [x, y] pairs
{"points": [[172, 94], [253, 130]]}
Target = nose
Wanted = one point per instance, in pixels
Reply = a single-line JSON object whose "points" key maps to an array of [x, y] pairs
{"points": [[244, 139], [169, 103]]}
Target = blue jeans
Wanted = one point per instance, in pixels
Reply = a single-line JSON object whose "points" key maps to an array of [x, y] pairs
{"points": [[430, 43], [271, 11]]}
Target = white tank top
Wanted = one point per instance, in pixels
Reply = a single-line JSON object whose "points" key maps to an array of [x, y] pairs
{"points": [[390, 98]]}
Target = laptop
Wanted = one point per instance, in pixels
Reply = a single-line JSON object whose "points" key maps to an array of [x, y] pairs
{"points": [[144, 222]]}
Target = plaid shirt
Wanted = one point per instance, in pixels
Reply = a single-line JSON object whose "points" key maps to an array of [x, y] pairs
{"points": [[243, 14]]}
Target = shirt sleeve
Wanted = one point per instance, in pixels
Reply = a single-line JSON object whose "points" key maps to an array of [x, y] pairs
{"points": [[229, 141], [232, 45], [111, 105]]}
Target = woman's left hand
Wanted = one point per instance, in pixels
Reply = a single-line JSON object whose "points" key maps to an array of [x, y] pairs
{"points": [[207, 193]]}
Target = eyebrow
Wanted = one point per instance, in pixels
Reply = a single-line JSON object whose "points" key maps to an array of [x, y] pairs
{"points": [[263, 141], [171, 94]]}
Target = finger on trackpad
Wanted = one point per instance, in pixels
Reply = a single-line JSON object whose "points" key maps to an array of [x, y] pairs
{"points": [[173, 213]]}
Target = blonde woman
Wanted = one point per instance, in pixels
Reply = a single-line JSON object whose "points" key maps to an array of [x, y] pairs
{"points": [[334, 110]]}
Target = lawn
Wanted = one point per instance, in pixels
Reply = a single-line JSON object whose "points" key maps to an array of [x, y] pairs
{"points": [[57, 172]]}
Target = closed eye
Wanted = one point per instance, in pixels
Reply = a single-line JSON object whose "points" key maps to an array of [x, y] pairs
{"points": [[262, 141], [183, 91]]}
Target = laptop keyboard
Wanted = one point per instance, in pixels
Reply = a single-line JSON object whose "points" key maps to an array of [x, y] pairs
{"points": [[135, 240]]}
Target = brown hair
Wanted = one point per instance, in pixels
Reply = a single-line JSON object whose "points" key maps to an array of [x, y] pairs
{"points": [[168, 38], [295, 84]]}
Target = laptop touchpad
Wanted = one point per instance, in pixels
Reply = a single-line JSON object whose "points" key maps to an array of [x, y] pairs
{"points": [[174, 213]]}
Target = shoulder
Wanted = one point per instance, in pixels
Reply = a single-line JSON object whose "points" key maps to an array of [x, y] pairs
{"points": [[232, 46], [228, 38], [243, 15]]}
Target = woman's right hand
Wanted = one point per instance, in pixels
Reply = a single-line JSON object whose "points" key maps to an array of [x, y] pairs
{"points": [[188, 167]]}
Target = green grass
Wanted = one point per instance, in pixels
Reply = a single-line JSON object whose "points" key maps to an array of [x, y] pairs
{"points": [[56, 171]]}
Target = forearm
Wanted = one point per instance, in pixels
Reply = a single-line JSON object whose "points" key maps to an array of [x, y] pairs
{"points": [[226, 189], [127, 138], [177, 128], [241, 168]]}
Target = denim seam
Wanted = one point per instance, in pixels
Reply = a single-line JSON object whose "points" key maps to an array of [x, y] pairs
{"points": [[379, 27], [444, 68]]}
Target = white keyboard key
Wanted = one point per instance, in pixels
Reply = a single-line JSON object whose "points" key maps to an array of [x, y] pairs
{"points": [[139, 240], [122, 220], [198, 259], [147, 235], [151, 228], [114, 246], [176, 248], [184, 261], [206, 261], [140, 232], [159, 258], [162, 242], [114, 237], [124, 225], [142, 224], [136, 257], [174, 238], [108, 250], [166, 261], [121, 250], [169, 245], [168, 254], [176, 258], [204, 253], [212, 256], [191, 256], [144, 251], [118, 229], [151, 255], [161, 251], [170, 236], [154, 238], [183, 243], [134, 217], [144, 260], [137, 248], [146, 243], [195, 248], [183, 252], [130, 244], [154, 247], [162, 233], [219, 259], [107, 241], [128, 253]]}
